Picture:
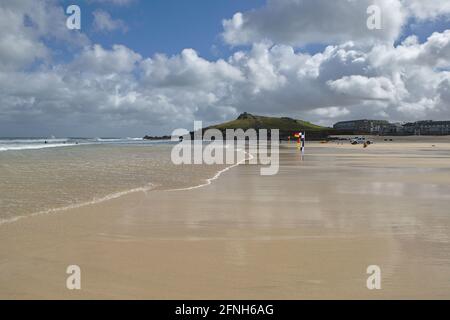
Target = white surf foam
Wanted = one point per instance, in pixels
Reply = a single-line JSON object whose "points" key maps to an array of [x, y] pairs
{"points": [[15, 147], [217, 175], [116, 195]]}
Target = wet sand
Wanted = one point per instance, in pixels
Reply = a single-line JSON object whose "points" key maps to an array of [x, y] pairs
{"points": [[309, 232]]}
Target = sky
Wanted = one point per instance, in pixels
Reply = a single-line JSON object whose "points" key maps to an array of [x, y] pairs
{"points": [[141, 67]]}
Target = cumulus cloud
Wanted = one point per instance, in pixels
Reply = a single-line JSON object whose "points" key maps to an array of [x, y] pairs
{"points": [[96, 59], [330, 112], [361, 87], [298, 22], [104, 22], [188, 70], [435, 52], [427, 9], [24, 25], [113, 90]]}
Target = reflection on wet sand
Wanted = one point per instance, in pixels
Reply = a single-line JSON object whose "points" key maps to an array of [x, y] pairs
{"points": [[309, 232]]}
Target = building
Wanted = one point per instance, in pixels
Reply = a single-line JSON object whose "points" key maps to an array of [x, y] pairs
{"points": [[427, 128], [392, 129], [381, 127], [364, 126]]}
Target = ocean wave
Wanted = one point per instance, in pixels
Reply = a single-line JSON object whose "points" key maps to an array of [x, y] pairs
{"points": [[15, 147], [37, 140], [108, 139], [117, 139], [36, 144]]}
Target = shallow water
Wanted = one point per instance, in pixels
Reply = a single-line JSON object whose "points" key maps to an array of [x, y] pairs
{"points": [[38, 178]]}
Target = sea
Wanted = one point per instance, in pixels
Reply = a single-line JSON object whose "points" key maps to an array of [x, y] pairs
{"points": [[44, 175]]}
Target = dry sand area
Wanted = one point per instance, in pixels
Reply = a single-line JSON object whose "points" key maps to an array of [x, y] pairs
{"points": [[309, 232]]}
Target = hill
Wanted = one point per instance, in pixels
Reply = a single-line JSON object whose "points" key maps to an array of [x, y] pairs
{"points": [[287, 126], [248, 121]]}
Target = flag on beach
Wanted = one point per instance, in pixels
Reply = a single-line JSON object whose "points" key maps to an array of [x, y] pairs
{"points": [[303, 142]]}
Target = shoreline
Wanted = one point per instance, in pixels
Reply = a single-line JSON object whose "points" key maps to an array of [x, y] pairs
{"points": [[214, 242], [112, 196], [119, 194], [216, 176]]}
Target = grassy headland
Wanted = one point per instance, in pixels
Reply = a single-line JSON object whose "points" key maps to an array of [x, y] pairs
{"points": [[287, 126]]}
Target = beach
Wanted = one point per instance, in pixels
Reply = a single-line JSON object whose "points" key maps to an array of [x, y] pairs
{"points": [[309, 232]]}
